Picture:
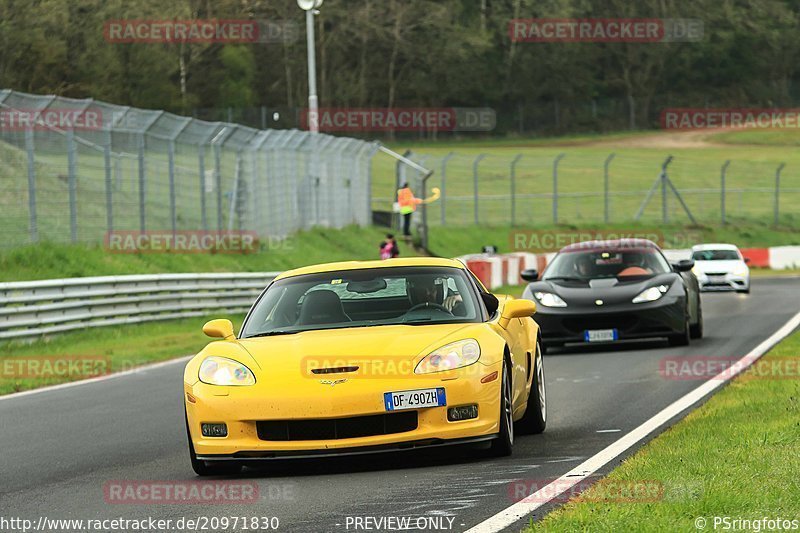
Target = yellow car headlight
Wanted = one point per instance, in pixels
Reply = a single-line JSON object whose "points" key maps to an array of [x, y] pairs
{"points": [[453, 355], [222, 371]]}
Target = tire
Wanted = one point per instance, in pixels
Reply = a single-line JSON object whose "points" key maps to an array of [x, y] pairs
{"points": [[745, 291], [503, 444], [204, 468], [696, 330], [535, 419], [681, 339]]}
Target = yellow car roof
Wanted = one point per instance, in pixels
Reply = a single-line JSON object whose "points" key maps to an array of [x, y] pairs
{"points": [[354, 265]]}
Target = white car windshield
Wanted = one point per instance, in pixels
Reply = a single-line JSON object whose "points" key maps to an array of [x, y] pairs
{"points": [[716, 255]]}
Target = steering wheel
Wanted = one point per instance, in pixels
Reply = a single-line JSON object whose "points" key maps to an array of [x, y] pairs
{"points": [[429, 305]]}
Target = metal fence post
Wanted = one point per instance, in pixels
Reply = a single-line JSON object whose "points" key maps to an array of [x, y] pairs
{"points": [[513, 176], [72, 185], [445, 160], [558, 158], [33, 226], [171, 169], [201, 162], [109, 184], [142, 194], [218, 183], [605, 184], [722, 190], [664, 205], [778, 191], [475, 183]]}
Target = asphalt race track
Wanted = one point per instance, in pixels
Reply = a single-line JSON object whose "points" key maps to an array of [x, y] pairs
{"points": [[61, 447]]}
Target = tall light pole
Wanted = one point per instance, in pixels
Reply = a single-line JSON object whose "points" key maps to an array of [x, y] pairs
{"points": [[310, 6]]}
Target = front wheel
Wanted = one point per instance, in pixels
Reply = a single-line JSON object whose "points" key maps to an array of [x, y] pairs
{"points": [[696, 331], [681, 339], [535, 418], [503, 444]]}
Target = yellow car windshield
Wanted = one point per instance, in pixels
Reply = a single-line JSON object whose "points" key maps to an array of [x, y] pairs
{"points": [[361, 298]]}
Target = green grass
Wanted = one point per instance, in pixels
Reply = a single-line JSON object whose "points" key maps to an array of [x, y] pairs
{"points": [[119, 347], [734, 456], [789, 137], [47, 260]]}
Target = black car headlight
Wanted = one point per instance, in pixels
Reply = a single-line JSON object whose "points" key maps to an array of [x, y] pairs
{"points": [[652, 294], [548, 299]]}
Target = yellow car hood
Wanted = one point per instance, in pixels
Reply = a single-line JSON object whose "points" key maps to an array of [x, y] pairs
{"points": [[300, 352]]}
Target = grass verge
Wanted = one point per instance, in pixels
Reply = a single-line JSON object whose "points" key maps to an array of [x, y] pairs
{"points": [[79, 355], [48, 260], [734, 457]]}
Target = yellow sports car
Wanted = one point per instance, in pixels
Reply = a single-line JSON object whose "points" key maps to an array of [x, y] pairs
{"points": [[360, 357]]}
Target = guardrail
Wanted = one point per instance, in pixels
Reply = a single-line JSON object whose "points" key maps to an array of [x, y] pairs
{"points": [[34, 308]]}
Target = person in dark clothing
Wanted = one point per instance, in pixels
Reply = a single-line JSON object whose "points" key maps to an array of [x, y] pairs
{"points": [[389, 248]]}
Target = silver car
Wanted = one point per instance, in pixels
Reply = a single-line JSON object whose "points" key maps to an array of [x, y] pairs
{"points": [[721, 267]]}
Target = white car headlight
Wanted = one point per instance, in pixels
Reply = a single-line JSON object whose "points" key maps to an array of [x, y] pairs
{"points": [[741, 271], [222, 371], [548, 299], [651, 295], [453, 355]]}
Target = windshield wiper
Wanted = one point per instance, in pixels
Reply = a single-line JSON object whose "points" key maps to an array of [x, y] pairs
{"points": [[563, 278], [272, 333]]}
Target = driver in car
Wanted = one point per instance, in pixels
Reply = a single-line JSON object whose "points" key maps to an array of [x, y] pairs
{"points": [[423, 290], [583, 266], [635, 265]]}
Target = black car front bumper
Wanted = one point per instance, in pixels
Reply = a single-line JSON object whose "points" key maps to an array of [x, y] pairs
{"points": [[662, 318]]}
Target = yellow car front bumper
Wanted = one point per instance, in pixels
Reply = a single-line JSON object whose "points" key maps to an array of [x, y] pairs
{"points": [[240, 408]]}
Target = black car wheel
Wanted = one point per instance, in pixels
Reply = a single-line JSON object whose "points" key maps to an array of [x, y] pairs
{"points": [[502, 445], [696, 331], [681, 339], [535, 418]]}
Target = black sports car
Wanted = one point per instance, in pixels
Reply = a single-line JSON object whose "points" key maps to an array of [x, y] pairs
{"points": [[605, 291]]}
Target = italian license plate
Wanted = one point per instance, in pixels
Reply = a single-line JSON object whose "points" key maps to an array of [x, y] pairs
{"points": [[716, 279], [414, 399], [600, 335]]}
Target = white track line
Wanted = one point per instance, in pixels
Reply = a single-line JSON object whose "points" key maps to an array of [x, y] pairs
{"points": [[88, 381], [521, 509]]}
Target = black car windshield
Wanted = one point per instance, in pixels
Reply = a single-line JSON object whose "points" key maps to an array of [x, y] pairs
{"points": [[359, 298], [582, 265], [716, 255]]}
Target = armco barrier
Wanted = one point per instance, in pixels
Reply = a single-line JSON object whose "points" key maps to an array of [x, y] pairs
{"points": [[34, 308]]}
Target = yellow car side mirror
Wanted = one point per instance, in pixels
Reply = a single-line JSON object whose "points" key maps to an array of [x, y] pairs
{"points": [[516, 309], [219, 328]]}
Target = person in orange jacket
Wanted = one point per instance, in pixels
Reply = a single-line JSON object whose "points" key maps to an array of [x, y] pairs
{"points": [[408, 204]]}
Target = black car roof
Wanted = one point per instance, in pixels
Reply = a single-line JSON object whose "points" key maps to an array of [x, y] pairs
{"points": [[616, 244]]}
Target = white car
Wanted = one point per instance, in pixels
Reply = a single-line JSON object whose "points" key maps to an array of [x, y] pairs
{"points": [[721, 267]]}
